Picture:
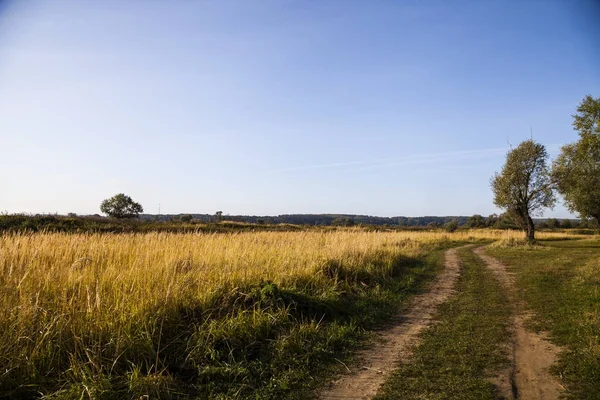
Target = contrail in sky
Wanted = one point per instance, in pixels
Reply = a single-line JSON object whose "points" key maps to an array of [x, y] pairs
{"points": [[425, 158], [410, 159]]}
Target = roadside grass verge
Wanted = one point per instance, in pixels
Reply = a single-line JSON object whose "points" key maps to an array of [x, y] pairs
{"points": [[561, 284], [247, 316], [463, 346]]}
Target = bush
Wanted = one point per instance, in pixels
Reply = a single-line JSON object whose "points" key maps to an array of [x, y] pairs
{"points": [[185, 218], [451, 226]]}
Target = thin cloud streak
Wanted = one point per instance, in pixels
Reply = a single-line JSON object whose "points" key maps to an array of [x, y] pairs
{"points": [[426, 158], [414, 159]]}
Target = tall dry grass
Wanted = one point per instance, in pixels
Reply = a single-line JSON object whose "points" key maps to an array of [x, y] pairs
{"points": [[76, 307]]}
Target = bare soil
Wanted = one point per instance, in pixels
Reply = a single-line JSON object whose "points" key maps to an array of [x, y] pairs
{"points": [[394, 343], [532, 354]]}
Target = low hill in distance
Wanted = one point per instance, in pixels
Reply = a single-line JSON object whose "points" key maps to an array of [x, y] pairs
{"points": [[313, 219]]}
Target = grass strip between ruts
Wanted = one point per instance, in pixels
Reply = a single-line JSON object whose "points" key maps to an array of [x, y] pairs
{"points": [[464, 345]]}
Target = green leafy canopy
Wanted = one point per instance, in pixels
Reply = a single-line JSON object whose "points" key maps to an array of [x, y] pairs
{"points": [[524, 188], [576, 170], [121, 206], [524, 184]]}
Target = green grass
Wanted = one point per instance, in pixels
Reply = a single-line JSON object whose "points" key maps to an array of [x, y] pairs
{"points": [[560, 282], [462, 347], [288, 342]]}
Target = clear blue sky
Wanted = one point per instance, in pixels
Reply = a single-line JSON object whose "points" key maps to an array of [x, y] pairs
{"points": [[283, 106]]}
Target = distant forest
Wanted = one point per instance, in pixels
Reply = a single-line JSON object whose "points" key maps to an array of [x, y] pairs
{"points": [[235, 223], [475, 221], [312, 219]]}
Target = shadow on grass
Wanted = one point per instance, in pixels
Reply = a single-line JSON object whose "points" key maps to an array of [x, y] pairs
{"points": [[258, 340]]}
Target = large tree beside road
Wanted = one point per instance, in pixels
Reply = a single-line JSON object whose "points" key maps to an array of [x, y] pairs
{"points": [[523, 188], [576, 171]]}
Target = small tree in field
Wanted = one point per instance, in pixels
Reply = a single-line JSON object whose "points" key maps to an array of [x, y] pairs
{"points": [[566, 224], [492, 220], [552, 223], [523, 188], [186, 218], [577, 168], [121, 206], [476, 221], [451, 226]]}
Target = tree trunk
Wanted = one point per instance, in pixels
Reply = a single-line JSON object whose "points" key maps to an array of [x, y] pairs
{"points": [[530, 232]]}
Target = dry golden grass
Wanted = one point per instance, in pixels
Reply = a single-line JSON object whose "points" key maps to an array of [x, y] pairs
{"points": [[108, 277], [96, 295]]}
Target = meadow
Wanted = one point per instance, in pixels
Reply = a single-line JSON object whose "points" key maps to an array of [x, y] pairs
{"points": [[222, 315]]}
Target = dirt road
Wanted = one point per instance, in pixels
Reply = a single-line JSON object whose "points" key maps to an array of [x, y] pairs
{"points": [[394, 344], [532, 354]]}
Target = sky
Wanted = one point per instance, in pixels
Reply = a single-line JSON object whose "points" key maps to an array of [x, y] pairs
{"points": [[273, 107]]}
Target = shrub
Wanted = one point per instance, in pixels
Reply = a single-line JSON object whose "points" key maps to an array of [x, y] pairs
{"points": [[451, 226]]}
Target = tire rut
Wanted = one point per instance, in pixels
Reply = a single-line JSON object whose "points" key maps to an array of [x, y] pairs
{"points": [[394, 344], [532, 354]]}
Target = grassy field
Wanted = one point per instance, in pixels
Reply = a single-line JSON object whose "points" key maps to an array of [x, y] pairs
{"points": [[464, 347], [238, 315], [560, 281]]}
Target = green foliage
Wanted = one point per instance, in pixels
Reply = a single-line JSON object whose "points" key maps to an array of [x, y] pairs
{"points": [[451, 226], [477, 221], [523, 188], [586, 223], [121, 206], [98, 224], [35, 223], [576, 170], [587, 119], [566, 224], [343, 222], [505, 221], [492, 219], [186, 218]]}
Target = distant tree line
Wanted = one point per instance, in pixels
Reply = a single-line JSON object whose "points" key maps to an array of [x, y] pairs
{"points": [[99, 224], [502, 221], [208, 223], [314, 219]]}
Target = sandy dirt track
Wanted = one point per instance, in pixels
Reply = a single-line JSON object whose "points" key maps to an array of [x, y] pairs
{"points": [[394, 343], [532, 354]]}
